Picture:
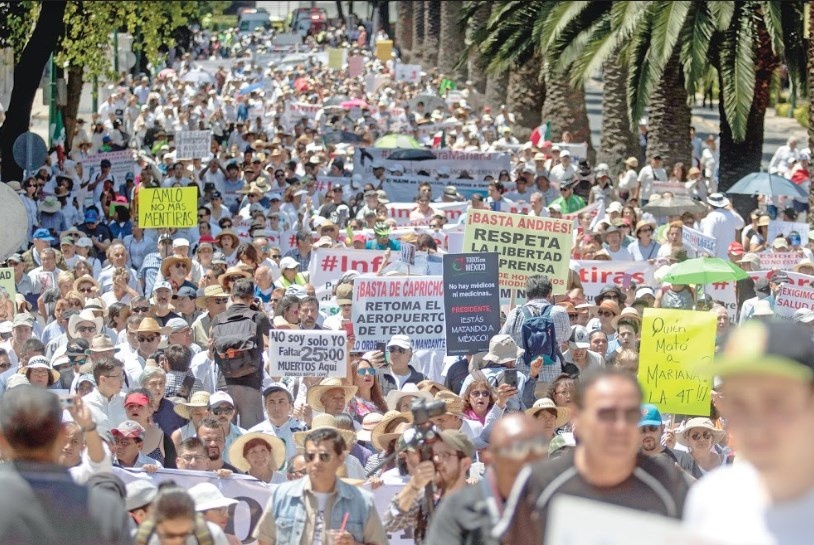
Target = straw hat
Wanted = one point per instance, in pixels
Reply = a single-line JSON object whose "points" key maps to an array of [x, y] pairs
{"points": [[383, 433], [101, 343], [86, 315], [228, 233], [330, 383], [805, 262], [40, 362], [628, 313], [50, 204], [233, 271], [170, 261], [544, 403], [319, 422], [198, 399], [454, 403], [82, 280], [207, 496], [369, 423], [703, 423], [276, 445], [409, 390], [149, 325], [208, 292]]}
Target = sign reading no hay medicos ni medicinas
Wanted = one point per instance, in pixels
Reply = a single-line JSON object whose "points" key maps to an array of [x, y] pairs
{"points": [[527, 246], [167, 207]]}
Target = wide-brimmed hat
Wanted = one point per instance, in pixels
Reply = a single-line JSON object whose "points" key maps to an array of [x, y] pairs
{"points": [[233, 271], [319, 422], [207, 496], [208, 292], [632, 162], [718, 200], [805, 262], [409, 389], [502, 349], [384, 432], [612, 306], [454, 403], [700, 422], [170, 261], [40, 362], [86, 315], [228, 233], [344, 294], [101, 343], [369, 423], [628, 313], [543, 404], [84, 279], [642, 223], [198, 399], [150, 325], [276, 445], [315, 392], [50, 204]]}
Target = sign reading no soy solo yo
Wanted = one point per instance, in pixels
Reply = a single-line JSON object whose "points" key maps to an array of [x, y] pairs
{"points": [[471, 301], [307, 353], [167, 207]]}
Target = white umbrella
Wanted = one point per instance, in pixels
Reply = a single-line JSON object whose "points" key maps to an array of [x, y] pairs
{"points": [[198, 76]]}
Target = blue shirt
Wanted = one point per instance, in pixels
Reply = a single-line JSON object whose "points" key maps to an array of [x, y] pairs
{"points": [[394, 245]]}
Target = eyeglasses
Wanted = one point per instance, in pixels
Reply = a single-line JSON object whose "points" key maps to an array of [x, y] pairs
{"points": [[86, 290], [481, 393], [323, 456], [573, 316], [445, 456], [193, 457], [698, 436], [567, 392], [605, 313], [223, 410], [610, 415], [650, 429], [362, 371], [645, 229], [180, 265], [521, 449], [396, 349], [221, 300], [611, 296], [276, 256], [86, 329], [140, 309], [147, 339]]}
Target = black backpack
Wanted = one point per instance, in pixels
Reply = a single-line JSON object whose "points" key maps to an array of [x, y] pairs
{"points": [[236, 350]]}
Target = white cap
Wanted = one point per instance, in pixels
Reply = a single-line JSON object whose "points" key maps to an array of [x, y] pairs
{"points": [[180, 243], [644, 291], [565, 153], [207, 496], [84, 242], [220, 397]]}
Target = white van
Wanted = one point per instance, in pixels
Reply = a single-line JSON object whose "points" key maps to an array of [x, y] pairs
{"points": [[251, 19]]}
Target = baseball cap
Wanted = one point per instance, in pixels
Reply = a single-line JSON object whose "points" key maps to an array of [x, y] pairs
{"points": [[402, 341], [180, 242], [140, 493], [651, 416], [177, 324], [762, 285], [77, 347], [163, 285], [220, 397], [136, 398], [129, 429], [456, 439], [43, 234], [803, 316], [91, 216], [276, 387], [187, 291], [580, 338], [769, 348], [736, 248], [644, 292]]}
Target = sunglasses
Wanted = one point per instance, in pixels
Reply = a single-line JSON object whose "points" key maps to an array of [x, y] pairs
{"points": [[323, 456], [86, 329], [644, 229], [140, 309], [362, 371], [698, 436], [180, 265], [221, 300], [610, 415], [86, 290], [79, 360], [396, 349], [605, 313], [147, 339], [225, 410], [480, 393], [572, 316], [650, 429]]}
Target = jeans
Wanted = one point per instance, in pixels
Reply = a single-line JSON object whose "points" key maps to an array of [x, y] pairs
{"points": [[249, 405]]}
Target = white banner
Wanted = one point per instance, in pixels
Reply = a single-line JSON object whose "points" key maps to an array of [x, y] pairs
{"points": [[595, 275], [778, 260], [387, 306], [475, 163], [400, 211], [699, 242], [409, 73], [797, 279], [192, 144], [307, 353], [329, 264], [726, 293], [577, 151], [294, 111], [121, 162], [783, 228], [251, 493], [790, 298]]}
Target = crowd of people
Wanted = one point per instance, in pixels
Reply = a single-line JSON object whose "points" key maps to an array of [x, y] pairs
{"points": [[125, 349]]}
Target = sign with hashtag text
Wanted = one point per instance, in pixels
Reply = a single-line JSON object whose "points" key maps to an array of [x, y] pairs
{"points": [[307, 353]]}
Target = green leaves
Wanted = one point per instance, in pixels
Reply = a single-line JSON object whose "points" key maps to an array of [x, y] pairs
{"points": [[737, 69]]}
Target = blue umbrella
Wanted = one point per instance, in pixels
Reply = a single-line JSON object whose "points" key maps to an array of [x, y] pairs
{"points": [[763, 183]]}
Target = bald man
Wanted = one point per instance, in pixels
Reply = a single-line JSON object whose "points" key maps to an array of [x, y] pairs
{"points": [[465, 517]]}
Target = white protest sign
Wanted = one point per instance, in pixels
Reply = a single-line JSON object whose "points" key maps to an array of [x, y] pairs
{"points": [[400, 211], [294, 111], [455, 242], [797, 279], [700, 242], [251, 494], [578, 151], [192, 144], [783, 228], [409, 73], [121, 162], [790, 298], [476, 164], [778, 260], [594, 275], [307, 353], [726, 293], [327, 265], [387, 306]]}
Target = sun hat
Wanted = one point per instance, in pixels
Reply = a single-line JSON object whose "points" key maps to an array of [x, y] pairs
{"points": [[502, 349], [718, 200], [651, 416], [632, 161], [40, 362], [805, 262], [384, 431], [456, 440], [85, 315], [369, 422], [207, 496], [276, 445], [702, 423], [101, 343], [615, 206], [140, 493], [50, 204], [233, 271], [330, 383], [395, 396], [543, 404], [628, 313], [129, 429], [320, 422], [150, 325], [612, 306], [640, 224], [228, 233], [170, 261], [750, 257], [580, 338], [454, 403], [198, 399]]}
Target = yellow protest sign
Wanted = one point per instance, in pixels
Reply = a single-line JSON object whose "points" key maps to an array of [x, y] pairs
{"points": [[384, 50], [674, 344], [527, 246], [167, 207], [336, 58], [8, 291]]}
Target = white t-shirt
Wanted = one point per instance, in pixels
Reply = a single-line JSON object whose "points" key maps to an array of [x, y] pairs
{"points": [[319, 520], [730, 506]]}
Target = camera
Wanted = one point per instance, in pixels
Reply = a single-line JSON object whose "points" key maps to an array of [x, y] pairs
{"points": [[423, 411]]}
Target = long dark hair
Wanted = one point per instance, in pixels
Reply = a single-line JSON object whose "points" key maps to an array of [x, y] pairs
{"points": [[376, 395]]}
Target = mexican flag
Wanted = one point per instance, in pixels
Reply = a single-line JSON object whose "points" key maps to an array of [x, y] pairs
{"points": [[58, 134]]}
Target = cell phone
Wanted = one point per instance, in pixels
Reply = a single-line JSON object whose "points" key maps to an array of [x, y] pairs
{"points": [[347, 325], [382, 347], [66, 401], [509, 377]]}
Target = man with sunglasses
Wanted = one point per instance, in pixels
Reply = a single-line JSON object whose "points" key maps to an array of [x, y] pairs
{"points": [[606, 465], [399, 371], [652, 430]]}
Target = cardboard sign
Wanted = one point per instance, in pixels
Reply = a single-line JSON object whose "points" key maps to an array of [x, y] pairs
{"points": [[778, 260], [527, 246], [384, 50], [471, 302], [790, 298], [121, 162], [699, 242], [192, 144], [356, 66], [336, 58], [595, 275], [674, 344], [307, 353], [168, 207], [398, 305], [8, 289], [329, 264], [410, 73]]}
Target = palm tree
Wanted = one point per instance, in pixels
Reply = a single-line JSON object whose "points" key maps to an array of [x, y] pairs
{"points": [[475, 61], [525, 95], [565, 108], [617, 141], [668, 134], [452, 41], [417, 51], [404, 28], [432, 32]]}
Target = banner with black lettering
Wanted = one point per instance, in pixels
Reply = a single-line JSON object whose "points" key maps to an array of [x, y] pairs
{"points": [[307, 353], [472, 165], [471, 302]]}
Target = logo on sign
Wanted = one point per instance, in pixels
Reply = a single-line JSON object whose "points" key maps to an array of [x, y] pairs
{"points": [[469, 264]]}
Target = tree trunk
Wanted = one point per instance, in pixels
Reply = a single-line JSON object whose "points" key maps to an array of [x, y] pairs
{"points": [[476, 63], [432, 31], [810, 65], [340, 13], [669, 122], [76, 80], [417, 42], [525, 96], [452, 42], [384, 17], [404, 29], [565, 108], [27, 73], [617, 140]]}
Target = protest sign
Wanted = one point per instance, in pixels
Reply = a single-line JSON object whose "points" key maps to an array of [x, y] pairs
{"points": [[409, 73], [336, 58], [8, 289], [400, 211], [674, 343], [471, 302], [577, 150], [251, 494], [408, 253], [797, 279], [307, 353], [384, 50], [168, 207], [676, 188], [356, 66], [382, 495], [699, 242], [726, 293], [790, 298], [387, 306], [783, 228], [527, 246], [778, 260], [466, 165], [295, 111], [455, 242], [329, 264], [121, 162], [595, 275], [192, 144]]}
